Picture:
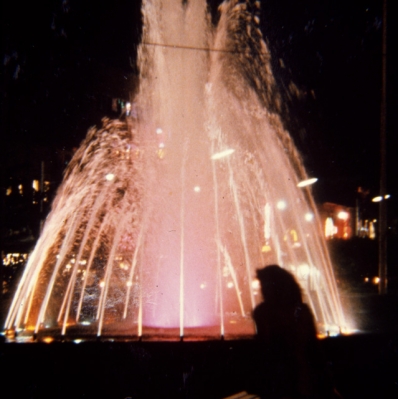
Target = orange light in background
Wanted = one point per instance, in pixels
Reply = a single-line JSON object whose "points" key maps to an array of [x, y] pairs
{"points": [[372, 230], [343, 215], [294, 235], [329, 228], [36, 185], [160, 153]]}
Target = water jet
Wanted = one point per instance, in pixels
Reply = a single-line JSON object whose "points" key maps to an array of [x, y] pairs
{"points": [[164, 216]]}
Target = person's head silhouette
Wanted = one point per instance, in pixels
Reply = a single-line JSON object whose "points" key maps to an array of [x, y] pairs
{"points": [[278, 286]]}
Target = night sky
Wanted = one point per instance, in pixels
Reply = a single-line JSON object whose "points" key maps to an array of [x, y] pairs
{"points": [[62, 58]]}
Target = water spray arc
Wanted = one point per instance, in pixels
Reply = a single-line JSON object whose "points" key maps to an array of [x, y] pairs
{"points": [[163, 217]]}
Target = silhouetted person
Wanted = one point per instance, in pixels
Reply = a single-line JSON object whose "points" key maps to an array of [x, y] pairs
{"points": [[293, 365]]}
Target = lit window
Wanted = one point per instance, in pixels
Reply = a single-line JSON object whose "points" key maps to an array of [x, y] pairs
{"points": [[36, 185], [343, 215], [329, 228]]}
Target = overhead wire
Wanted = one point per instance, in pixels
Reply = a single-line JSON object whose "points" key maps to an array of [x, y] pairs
{"points": [[190, 47]]}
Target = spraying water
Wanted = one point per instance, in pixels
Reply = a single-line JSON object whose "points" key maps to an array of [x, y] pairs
{"points": [[164, 217]]}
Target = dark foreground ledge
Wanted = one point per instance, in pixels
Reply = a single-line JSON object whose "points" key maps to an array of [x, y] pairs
{"points": [[364, 366]]}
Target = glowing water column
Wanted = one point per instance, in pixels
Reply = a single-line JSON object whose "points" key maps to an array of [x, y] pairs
{"points": [[164, 215]]}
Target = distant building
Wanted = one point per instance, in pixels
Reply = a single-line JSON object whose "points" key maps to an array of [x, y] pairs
{"points": [[338, 221], [30, 178]]}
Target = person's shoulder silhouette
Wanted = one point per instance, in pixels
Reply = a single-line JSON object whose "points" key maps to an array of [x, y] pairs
{"points": [[286, 327]]}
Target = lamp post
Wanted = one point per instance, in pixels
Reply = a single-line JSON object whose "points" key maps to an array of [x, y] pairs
{"points": [[383, 169]]}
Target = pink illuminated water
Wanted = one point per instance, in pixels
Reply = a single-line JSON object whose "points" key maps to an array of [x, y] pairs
{"points": [[163, 219]]}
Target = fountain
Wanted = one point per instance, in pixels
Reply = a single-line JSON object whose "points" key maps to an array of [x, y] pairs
{"points": [[163, 217]]}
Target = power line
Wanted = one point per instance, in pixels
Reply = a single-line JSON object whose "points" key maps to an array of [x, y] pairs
{"points": [[176, 46]]}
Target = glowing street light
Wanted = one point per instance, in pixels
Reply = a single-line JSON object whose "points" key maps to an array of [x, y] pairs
{"points": [[222, 154], [307, 182], [376, 280], [380, 198]]}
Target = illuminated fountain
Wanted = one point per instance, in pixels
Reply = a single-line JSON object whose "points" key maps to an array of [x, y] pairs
{"points": [[163, 217]]}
